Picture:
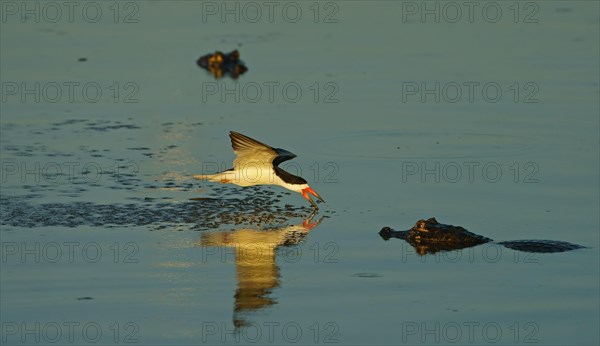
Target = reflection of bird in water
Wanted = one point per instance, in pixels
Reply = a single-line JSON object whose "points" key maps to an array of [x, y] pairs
{"points": [[257, 164], [255, 253]]}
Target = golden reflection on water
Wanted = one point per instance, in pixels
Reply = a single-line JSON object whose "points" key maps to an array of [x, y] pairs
{"points": [[255, 260]]}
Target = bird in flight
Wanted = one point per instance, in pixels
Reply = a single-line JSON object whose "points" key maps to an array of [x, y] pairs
{"points": [[258, 164]]}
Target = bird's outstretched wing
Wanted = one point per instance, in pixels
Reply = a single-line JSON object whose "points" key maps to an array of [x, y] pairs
{"points": [[251, 151]]}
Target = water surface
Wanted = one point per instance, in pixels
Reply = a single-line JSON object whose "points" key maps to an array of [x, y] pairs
{"points": [[103, 229]]}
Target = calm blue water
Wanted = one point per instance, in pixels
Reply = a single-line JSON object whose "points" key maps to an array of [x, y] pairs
{"points": [[484, 117]]}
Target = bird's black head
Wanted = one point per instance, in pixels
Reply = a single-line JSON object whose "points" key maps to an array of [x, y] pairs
{"points": [[288, 177]]}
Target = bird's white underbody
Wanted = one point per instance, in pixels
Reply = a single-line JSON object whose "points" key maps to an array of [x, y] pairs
{"points": [[251, 175]]}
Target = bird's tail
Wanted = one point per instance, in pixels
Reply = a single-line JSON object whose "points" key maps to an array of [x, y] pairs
{"points": [[209, 177], [222, 177]]}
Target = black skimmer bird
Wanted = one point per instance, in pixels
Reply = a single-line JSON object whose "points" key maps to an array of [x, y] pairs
{"points": [[258, 164]]}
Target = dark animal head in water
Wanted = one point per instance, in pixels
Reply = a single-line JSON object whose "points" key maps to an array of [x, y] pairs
{"points": [[220, 64], [430, 236]]}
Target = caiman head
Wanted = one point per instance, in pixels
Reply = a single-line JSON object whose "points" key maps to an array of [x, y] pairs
{"points": [[220, 64], [430, 236]]}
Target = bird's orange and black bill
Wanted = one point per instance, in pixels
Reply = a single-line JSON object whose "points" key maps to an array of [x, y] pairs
{"points": [[309, 190]]}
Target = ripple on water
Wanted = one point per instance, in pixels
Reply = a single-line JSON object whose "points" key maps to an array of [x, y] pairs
{"points": [[426, 145], [367, 275], [256, 210]]}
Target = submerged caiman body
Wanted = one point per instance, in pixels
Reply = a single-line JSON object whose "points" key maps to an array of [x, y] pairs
{"points": [[429, 236]]}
